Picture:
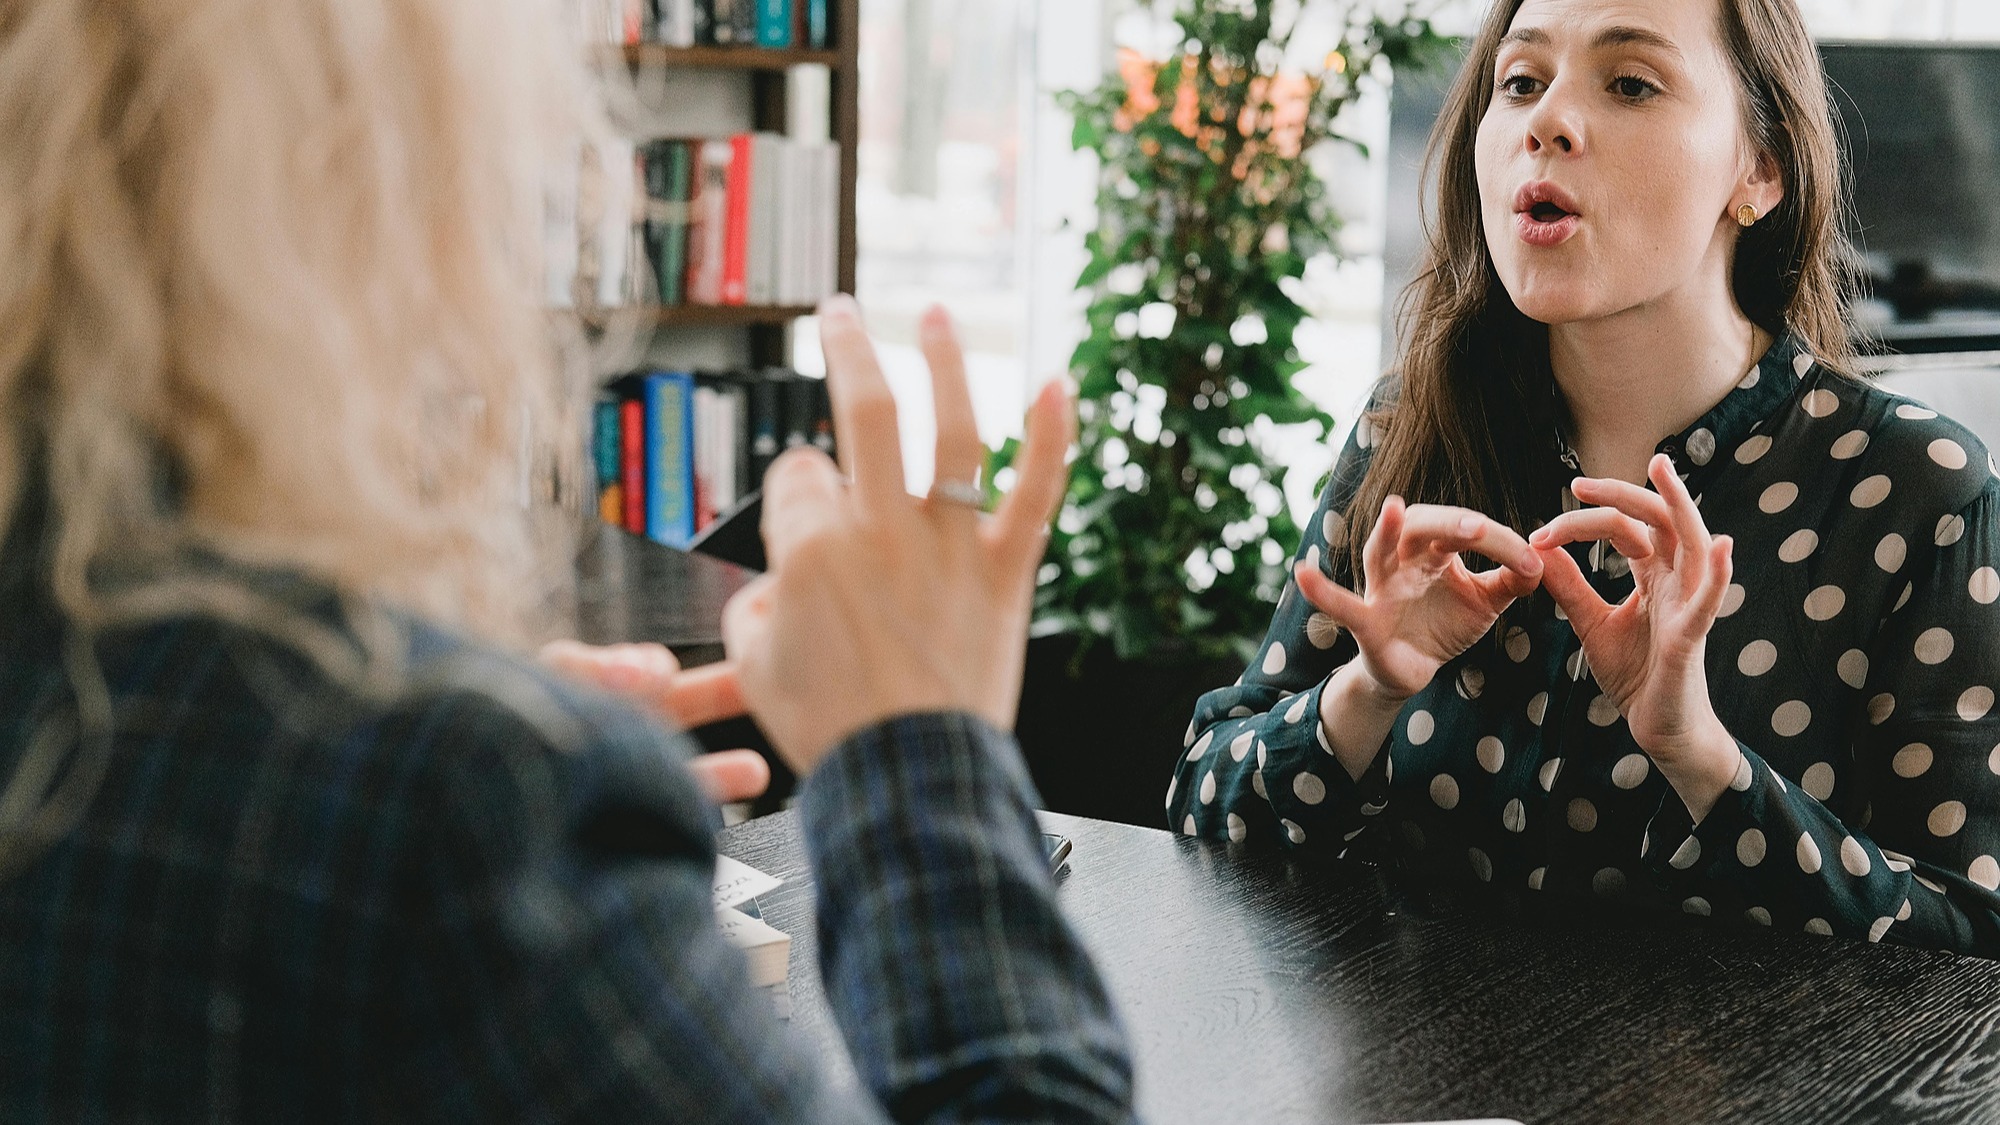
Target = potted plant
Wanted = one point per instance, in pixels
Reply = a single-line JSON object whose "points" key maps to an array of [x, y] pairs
{"points": [[1172, 544]]}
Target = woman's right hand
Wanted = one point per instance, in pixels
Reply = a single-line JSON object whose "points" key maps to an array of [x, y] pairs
{"points": [[1421, 604], [879, 604]]}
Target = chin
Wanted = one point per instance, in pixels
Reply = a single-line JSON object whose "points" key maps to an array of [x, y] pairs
{"points": [[1552, 301]]}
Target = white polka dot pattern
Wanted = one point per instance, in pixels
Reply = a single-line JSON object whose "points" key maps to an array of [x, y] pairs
{"points": [[1778, 497], [1799, 546], [1850, 655], [1309, 787], [1444, 791], [1891, 552], [1850, 445], [1420, 728]]}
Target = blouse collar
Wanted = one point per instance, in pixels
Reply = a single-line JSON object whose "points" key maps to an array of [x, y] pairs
{"points": [[1716, 435]]}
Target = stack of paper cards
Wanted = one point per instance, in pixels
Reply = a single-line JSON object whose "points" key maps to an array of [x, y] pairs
{"points": [[768, 949]]}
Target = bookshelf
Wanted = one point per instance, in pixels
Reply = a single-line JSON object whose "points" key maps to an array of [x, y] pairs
{"points": [[743, 161], [762, 331]]}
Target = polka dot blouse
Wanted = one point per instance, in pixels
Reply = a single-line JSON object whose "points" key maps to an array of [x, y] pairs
{"points": [[1855, 661]]}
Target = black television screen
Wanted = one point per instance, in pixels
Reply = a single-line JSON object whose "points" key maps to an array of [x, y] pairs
{"points": [[1923, 133]]}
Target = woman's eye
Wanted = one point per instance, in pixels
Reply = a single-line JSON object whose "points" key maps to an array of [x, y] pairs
{"points": [[1517, 85], [1635, 89]]}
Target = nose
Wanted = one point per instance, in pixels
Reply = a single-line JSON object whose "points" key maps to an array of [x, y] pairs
{"points": [[1554, 124]]}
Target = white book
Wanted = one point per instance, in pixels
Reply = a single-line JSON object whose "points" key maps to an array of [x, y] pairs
{"points": [[768, 949], [767, 177], [809, 102], [825, 222], [677, 23], [739, 882], [613, 219], [794, 248]]}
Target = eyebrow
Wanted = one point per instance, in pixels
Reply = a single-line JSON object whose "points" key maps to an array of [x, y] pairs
{"points": [[1620, 36]]}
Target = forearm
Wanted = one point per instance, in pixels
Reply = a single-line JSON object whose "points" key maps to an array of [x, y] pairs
{"points": [[960, 989]]}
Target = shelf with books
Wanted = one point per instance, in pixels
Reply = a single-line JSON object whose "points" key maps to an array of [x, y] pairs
{"points": [[673, 451], [717, 57], [675, 316]]}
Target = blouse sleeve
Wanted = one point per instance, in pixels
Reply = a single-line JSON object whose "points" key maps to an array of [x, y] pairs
{"points": [[1918, 866], [1257, 762]]}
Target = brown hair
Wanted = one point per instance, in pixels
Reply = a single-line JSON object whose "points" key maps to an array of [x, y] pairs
{"points": [[1476, 410]]}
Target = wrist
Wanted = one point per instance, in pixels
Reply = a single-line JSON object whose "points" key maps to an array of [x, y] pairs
{"points": [[1701, 766], [1352, 683]]}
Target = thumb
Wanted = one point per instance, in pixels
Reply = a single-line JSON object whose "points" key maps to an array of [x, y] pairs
{"points": [[1567, 585], [1331, 598]]}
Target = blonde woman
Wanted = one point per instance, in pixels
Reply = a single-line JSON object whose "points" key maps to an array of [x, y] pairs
{"points": [[286, 827]]}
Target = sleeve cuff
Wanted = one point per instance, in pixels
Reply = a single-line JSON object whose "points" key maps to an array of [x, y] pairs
{"points": [[1682, 854], [901, 778]]}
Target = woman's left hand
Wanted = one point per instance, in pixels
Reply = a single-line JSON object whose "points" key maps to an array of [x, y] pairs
{"points": [[1647, 652], [650, 676]]}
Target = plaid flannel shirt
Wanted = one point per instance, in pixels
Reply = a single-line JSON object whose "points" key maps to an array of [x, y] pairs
{"points": [[485, 896]]}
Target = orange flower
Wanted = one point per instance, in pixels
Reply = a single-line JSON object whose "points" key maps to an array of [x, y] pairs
{"points": [[1289, 96]]}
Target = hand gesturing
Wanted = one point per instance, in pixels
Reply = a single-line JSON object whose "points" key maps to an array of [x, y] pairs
{"points": [[1422, 606], [878, 604], [1647, 651]]}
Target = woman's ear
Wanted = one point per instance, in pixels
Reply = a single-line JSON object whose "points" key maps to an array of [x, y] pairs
{"points": [[1763, 186]]}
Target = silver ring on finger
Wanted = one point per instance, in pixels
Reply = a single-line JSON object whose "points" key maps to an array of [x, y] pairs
{"points": [[962, 492]]}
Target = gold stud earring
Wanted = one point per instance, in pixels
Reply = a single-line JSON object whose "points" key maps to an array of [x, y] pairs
{"points": [[1746, 215]]}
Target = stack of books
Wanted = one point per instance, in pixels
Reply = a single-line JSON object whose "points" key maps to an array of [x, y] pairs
{"points": [[673, 450], [745, 220], [751, 219], [741, 919], [723, 23]]}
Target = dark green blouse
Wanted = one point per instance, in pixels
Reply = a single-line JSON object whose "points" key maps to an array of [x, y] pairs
{"points": [[1855, 661]]}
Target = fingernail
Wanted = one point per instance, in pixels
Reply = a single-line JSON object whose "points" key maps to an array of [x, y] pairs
{"points": [[840, 306]]}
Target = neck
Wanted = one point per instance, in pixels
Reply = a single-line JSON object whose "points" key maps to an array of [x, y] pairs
{"points": [[1649, 372]]}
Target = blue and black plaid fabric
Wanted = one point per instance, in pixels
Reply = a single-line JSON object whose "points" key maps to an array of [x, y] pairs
{"points": [[484, 896]]}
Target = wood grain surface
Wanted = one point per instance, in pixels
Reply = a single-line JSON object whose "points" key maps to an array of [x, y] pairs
{"points": [[1259, 988]]}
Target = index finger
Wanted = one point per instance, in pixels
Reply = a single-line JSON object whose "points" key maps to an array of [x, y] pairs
{"points": [[708, 694], [864, 412], [802, 497], [1458, 529], [1680, 505]]}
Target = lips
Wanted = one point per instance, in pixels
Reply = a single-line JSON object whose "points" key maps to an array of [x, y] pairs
{"points": [[1545, 214], [1545, 201]]}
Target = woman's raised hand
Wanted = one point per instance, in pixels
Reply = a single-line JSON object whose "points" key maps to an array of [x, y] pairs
{"points": [[879, 604], [1647, 652], [1421, 604]]}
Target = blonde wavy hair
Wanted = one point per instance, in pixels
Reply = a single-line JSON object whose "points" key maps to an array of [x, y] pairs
{"points": [[271, 287]]}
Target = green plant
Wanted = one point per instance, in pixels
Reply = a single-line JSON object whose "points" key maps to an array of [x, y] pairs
{"points": [[1173, 539]]}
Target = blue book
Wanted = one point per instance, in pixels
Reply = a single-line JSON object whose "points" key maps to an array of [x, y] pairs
{"points": [[670, 506], [816, 36], [774, 23]]}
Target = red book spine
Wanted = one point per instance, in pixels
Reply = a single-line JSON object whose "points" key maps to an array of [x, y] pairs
{"points": [[736, 251], [632, 462]]}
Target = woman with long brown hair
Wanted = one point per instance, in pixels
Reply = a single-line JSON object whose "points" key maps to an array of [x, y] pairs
{"points": [[1725, 647]]}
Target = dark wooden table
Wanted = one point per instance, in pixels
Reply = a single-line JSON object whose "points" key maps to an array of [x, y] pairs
{"points": [[1262, 989]]}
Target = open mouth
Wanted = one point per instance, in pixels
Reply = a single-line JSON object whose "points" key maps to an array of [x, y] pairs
{"points": [[1546, 212]]}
